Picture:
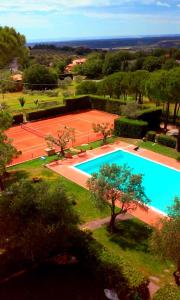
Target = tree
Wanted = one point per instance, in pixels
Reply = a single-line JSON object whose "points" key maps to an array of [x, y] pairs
{"points": [[152, 63], [156, 89], [22, 101], [86, 87], [165, 239], [12, 45], [36, 221], [117, 185], [137, 84], [5, 119], [131, 110], [39, 77], [7, 150], [106, 129], [64, 136], [7, 153]]}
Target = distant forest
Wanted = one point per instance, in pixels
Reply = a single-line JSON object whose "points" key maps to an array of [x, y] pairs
{"points": [[140, 42]]}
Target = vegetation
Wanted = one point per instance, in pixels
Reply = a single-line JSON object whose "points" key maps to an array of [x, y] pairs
{"points": [[105, 129], [166, 140], [130, 128], [166, 239], [117, 186], [38, 77], [7, 150], [12, 46], [64, 136], [36, 221], [167, 292]]}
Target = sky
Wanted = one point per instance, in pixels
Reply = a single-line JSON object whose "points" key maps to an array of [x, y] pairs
{"points": [[72, 19]]}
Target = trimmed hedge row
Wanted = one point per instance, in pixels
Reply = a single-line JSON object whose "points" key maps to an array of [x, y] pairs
{"points": [[130, 128], [168, 292], [113, 272], [17, 119], [151, 135], [109, 105], [75, 104], [152, 116], [46, 113], [166, 140]]}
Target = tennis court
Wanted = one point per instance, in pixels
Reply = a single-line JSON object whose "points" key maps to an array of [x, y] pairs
{"points": [[30, 138]]}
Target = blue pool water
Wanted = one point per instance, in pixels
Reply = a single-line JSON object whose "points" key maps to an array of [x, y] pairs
{"points": [[161, 183]]}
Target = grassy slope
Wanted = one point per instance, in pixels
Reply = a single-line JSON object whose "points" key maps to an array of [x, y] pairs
{"points": [[131, 242]]}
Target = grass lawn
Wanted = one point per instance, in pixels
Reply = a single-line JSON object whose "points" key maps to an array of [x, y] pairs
{"points": [[131, 242], [160, 149], [167, 151], [11, 99]]}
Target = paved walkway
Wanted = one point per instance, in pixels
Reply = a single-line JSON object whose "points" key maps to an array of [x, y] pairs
{"points": [[95, 224]]}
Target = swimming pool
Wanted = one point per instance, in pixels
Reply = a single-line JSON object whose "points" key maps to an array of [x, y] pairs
{"points": [[161, 183]]}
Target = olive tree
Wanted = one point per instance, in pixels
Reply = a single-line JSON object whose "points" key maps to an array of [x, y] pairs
{"points": [[117, 186]]}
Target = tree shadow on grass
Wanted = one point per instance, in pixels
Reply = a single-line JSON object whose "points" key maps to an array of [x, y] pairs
{"points": [[14, 176], [132, 234]]}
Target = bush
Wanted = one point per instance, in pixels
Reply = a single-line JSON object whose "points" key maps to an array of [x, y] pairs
{"points": [[112, 271], [109, 105], [166, 140], [86, 87], [152, 116], [39, 77], [178, 158], [17, 119], [151, 136], [168, 292], [130, 128]]}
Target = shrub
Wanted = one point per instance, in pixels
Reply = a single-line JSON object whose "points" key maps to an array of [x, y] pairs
{"points": [[152, 116], [114, 272], [130, 128], [17, 119], [86, 87], [166, 140], [151, 136], [178, 158], [168, 292], [109, 105]]}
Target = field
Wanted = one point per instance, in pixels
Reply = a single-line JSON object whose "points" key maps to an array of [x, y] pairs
{"points": [[11, 99]]}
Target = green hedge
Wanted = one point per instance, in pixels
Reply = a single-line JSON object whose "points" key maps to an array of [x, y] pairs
{"points": [[109, 105], [166, 140], [168, 292], [78, 103], [152, 116], [130, 128], [17, 119], [46, 113], [151, 136], [112, 271]]}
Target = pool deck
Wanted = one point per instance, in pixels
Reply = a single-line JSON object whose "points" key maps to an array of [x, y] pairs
{"points": [[65, 168]]}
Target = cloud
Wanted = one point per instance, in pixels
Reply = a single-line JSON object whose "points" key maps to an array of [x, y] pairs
{"points": [[148, 18], [164, 4], [59, 5]]}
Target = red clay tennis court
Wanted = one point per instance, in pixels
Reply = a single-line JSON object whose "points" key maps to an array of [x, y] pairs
{"points": [[30, 137]]}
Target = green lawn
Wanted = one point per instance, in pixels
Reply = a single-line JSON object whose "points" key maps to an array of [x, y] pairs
{"points": [[11, 99], [160, 149], [167, 151], [131, 242]]}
